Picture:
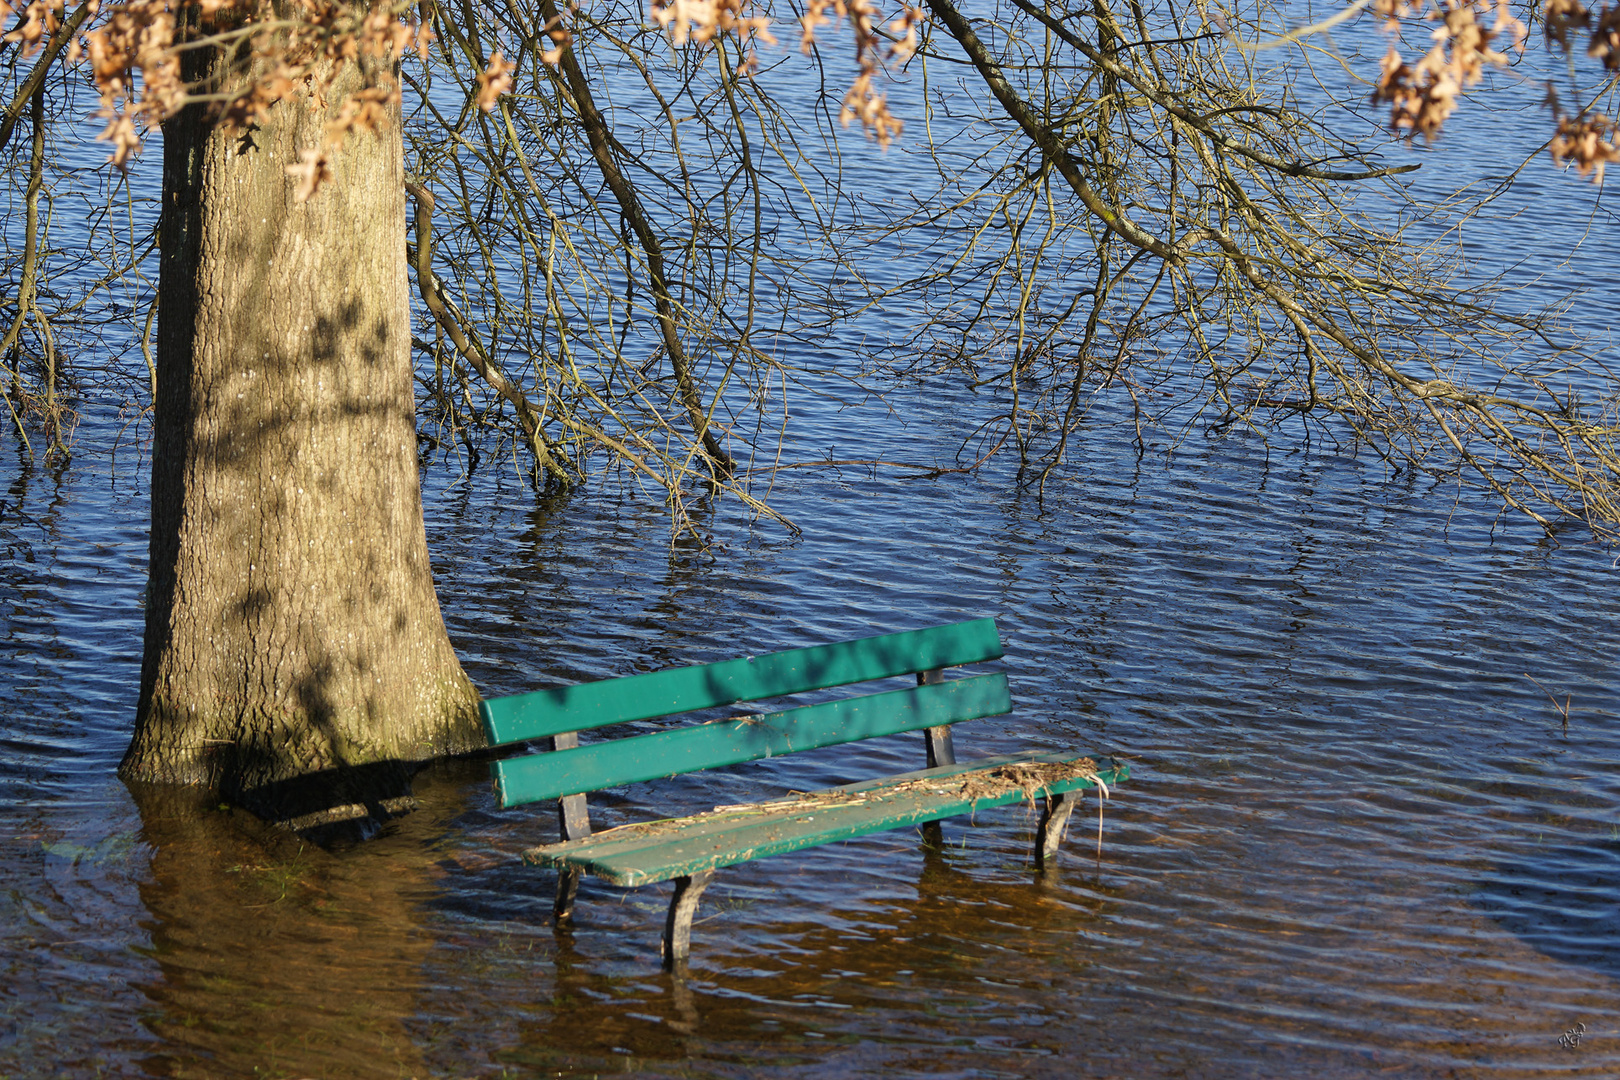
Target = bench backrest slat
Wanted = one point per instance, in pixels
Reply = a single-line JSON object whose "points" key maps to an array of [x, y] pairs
{"points": [[678, 690], [730, 742]]}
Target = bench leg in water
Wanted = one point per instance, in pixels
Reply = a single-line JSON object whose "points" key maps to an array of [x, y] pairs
{"points": [[678, 926], [1054, 818], [933, 836], [562, 909], [574, 820]]}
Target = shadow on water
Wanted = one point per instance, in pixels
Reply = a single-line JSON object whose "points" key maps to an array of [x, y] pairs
{"points": [[1562, 901], [354, 800]]}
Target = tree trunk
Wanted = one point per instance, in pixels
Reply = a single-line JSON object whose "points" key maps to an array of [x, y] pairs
{"points": [[293, 639]]}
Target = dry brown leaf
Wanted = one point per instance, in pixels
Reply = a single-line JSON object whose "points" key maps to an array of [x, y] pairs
{"points": [[1590, 142], [494, 80], [312, 170]]}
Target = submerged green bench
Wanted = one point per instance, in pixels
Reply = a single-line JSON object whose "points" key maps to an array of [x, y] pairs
{"points": [[689, 850]]}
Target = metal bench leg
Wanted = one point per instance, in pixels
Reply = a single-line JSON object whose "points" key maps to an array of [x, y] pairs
{"points": [[567, 888], [678, 926], [940, 750], [937, 740], [933, 837], [1054, 818], [574, 821]]}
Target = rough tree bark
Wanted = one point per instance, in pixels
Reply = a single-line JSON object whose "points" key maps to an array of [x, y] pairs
{"points": [[295, 655]]}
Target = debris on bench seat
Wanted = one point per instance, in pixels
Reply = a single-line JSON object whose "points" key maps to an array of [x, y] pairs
{"points": [[689, 850], [644, 853]]}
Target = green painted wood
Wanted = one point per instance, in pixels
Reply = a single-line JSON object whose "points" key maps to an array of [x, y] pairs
{"points": [[678, 690], [730, 742], [658, 833], [679, 847]]}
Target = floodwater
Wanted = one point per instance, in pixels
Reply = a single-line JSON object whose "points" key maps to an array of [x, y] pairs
{"points": [[1361, 838]]}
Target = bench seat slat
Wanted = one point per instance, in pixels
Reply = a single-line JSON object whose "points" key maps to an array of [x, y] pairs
{"points": [[679, 847], [730, 742], [628, 838], [665, 693]]}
